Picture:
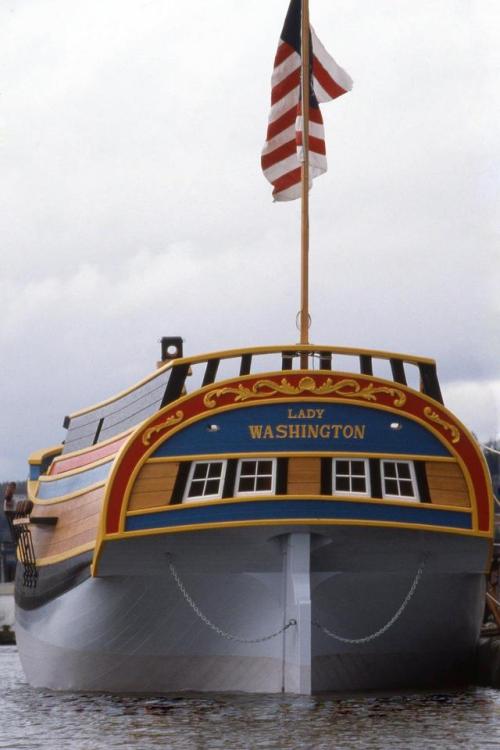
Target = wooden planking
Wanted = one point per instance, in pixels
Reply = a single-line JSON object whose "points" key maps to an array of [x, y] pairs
{"points": [[447, 485], [154, 485], [77, 523], [304, 476]]}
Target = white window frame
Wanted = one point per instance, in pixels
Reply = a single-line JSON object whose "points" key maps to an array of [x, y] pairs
{"points": [[415, 498], [366, 477], [274, 471], [200, 498]]}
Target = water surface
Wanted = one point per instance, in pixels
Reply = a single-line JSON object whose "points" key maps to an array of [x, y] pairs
{"points": [[33, 718]]}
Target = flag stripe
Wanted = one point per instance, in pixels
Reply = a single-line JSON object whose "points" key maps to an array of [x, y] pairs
{"points": [[331, 86], [315, 144], [284, 51], [285, 86], [283, 152], [289, 179], [282, 123]]}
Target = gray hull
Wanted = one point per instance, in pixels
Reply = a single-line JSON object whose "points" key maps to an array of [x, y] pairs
{"points": [[133, 629]]}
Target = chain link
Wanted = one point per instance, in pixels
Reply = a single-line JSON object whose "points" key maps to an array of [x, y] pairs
{"points": [[388, 625], [218, 630]]}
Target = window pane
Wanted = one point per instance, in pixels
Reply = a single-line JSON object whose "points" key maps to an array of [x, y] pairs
{"points": [[342, 484], [246, 484], [406, 488], [212, 487], [196, 489], [389, 469], [358, 468], [358, 485], [263, 484], [248, 468], [342, 467], [404, 471], [215, 470], [265, 467], [391, 487], [200, 471]]}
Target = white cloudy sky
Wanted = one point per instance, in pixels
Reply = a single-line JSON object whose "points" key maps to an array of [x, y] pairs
{"points": [[132, 204]]}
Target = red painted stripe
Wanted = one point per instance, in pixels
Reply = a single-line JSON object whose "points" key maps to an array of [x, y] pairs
{"points": [[279, 154], [327, 82], [282, 123], [284, 51], [83, 459], [285, 86], [288, 179]]}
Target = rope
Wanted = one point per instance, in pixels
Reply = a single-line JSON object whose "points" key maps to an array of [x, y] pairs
{"points": [[214, 627], [389, 624]]}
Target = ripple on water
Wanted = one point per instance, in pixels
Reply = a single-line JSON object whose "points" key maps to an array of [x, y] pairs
{"points": [[33, 719]]}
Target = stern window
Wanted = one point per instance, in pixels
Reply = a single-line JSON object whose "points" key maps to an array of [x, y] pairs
{"points": [[256, 476], [205, 481], [399, 480], [351, 476]]}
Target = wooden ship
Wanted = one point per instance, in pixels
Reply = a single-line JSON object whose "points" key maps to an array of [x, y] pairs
{"points": [[261, 519]]}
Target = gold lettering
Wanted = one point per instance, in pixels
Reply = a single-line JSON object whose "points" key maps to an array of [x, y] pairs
{"points": [[305, 430], [255, 431], [291, 415]]}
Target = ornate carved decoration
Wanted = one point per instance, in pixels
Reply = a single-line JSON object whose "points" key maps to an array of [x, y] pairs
{"points": [[169, 422], [433, 417], [346, 388]]}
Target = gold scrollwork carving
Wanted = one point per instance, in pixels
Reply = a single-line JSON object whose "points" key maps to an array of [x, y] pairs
{"points": [[169, 422], [346, 388], [433, 417]]}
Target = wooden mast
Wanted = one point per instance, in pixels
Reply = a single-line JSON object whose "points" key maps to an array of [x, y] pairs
{"points": [[304, 265]]}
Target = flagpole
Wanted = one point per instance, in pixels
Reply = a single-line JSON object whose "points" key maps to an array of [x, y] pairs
{"points": [[304, 266]]}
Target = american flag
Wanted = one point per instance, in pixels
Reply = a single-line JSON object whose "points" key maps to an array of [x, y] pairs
{"points": [[282, 152]]}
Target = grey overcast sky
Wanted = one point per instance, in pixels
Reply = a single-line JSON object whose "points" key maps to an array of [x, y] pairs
{"points": [[132, 204]]}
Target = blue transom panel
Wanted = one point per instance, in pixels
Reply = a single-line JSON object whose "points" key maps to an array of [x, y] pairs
{"points": [[303, 426]]}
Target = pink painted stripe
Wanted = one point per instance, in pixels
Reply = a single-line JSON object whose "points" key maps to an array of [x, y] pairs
{"points": [[60, 465]]}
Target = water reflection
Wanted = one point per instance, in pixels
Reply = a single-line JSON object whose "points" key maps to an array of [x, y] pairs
{"points": [[46, 719]]}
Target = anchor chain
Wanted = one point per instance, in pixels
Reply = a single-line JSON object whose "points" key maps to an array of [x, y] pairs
{"points": [[388, 624], [219, 631]]}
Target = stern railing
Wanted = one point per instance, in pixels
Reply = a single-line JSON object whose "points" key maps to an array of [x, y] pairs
{"points": [[186, 374]]}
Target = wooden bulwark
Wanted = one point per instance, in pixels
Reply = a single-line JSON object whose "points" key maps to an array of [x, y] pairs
{"points": [[154, 485], [77, 524], [447, 485], [304, 476]]}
